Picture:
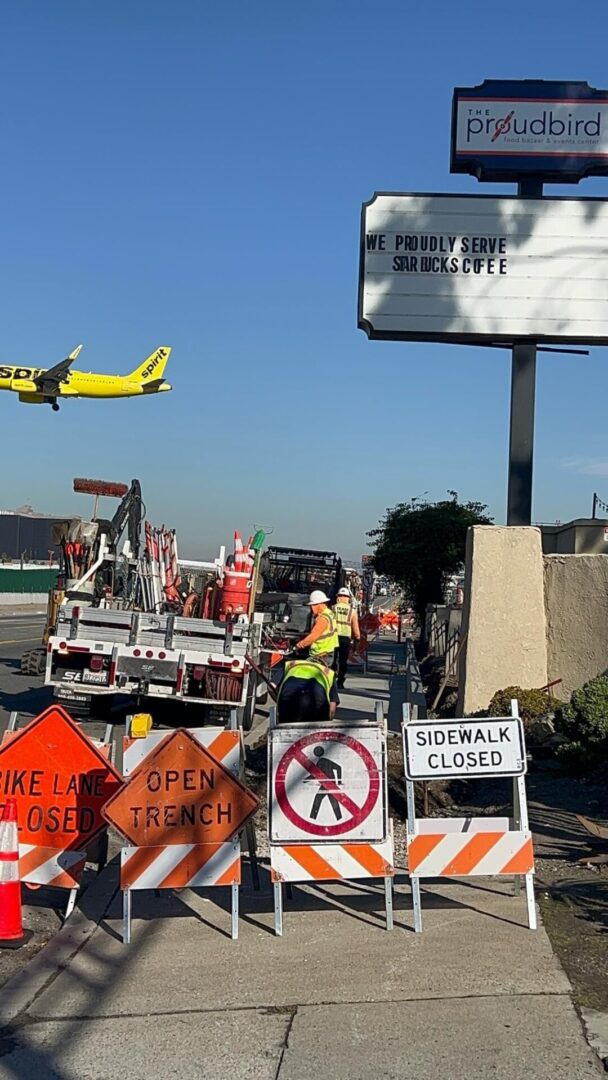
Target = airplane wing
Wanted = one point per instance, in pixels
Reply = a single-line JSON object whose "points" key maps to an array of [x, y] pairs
{"points": [[50, 381]]}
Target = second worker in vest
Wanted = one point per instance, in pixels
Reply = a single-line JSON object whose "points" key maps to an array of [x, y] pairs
{"points": [[307, 693], [322, 641], [347, 625]]}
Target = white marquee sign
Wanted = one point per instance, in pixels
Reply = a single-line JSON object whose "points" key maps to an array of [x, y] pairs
{"points": [[480, 268]]}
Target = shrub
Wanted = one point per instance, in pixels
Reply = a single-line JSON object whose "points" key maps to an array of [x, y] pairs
{"points": [[590, 704], [577, 758], [532, 703], [565, 720], [585, 723]]}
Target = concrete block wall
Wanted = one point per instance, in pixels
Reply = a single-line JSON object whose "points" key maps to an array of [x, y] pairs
{"points": [[503, 616], [576, 608]]}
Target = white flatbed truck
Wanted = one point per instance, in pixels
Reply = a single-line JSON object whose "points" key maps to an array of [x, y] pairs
{"points": [[97, 653]]}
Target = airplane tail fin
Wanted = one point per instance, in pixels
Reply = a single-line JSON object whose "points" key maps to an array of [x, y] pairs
{"points": [[153, 367], [74, 355]]}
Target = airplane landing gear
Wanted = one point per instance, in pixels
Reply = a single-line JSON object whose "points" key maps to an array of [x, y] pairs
{"points": [[55, 406]]}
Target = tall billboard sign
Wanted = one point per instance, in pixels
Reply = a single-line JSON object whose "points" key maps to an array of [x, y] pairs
{"points": [[484, 269], [510, 129]]}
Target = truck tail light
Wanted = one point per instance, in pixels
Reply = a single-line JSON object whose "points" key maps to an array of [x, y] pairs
{"points": [[96, 663]]}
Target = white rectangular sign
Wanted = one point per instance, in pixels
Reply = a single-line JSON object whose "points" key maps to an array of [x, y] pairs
{"points": [[327, 784], [484, 269], [436, 749], [520, 128]]}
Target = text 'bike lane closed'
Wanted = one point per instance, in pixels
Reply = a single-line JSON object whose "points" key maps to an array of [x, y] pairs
{"points": [[327, 784]]}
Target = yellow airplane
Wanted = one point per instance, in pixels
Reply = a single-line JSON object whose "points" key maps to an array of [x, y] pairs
{"points": [[39, 386]]}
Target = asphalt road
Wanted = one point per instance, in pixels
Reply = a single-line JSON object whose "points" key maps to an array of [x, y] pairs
{"points": [[26, 694], [20, 693], [42, 910]]}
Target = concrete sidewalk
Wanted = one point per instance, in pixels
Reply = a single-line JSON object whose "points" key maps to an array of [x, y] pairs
{"points": [[476, 995]]}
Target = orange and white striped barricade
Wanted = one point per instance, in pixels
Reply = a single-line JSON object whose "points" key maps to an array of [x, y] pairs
{"points": [[61, 779], [182, 809], [467, 847], [328, 806]]}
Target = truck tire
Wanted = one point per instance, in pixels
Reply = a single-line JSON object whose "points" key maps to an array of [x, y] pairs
{"points": [[33, 662]]}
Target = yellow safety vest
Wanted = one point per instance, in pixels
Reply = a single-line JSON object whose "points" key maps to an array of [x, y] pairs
{"points": [[344, 616], [308, 669], [328, 642]]}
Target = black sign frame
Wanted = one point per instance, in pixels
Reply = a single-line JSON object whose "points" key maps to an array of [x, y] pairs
{"points": [[459, 338], [512, 168]]}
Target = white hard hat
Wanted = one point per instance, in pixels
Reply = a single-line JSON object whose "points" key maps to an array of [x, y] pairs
{"points": [[317, 597], [344, 592]]}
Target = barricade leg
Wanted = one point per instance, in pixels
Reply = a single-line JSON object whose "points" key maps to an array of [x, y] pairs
{"points": [[415, 883], [522, 811], [71, 904], [388, 900], [126, 916], [531, 901], [253, 855], [234, 920], [278, 909], [516, 825]]}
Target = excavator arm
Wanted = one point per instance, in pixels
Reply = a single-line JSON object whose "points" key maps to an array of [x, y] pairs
{"points": [[129, 515]]}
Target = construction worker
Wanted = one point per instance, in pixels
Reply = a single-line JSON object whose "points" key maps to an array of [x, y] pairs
{"points": [[347, 624], [322, 641], [307, 693]]}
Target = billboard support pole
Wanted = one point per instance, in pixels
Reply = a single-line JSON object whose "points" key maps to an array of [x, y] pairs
{"points": [[523, 391]]}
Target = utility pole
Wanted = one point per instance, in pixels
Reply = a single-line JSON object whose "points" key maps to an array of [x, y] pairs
{"points": [[523, 393]]}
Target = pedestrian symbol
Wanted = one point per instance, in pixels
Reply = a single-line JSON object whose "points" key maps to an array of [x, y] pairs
{"points": [[327, 784], [333, 771]]}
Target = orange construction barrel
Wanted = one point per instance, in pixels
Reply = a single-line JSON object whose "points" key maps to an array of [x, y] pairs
{"points": [[234, 594]]}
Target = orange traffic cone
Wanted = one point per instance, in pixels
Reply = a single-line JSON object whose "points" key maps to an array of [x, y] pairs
{"points": [[12, 934]]}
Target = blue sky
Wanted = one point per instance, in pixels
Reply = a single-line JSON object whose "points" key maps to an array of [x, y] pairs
{"points": [[192, 175]]}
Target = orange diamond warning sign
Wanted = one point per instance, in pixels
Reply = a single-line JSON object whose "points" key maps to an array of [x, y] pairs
{"points": [[60, 780], [180, 794]]}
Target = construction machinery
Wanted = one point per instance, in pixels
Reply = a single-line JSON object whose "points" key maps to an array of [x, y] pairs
{"points": [[97, 653], [178, 632], [288, 576], [90, 567]]}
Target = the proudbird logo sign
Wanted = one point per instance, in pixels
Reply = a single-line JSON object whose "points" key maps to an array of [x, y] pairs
{"points": [[553, 130]]}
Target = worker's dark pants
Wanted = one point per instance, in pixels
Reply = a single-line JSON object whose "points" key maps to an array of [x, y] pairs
{"points": [[343, 651], [302, 701]]}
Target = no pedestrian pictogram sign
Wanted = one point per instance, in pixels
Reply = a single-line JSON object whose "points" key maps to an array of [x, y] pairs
{"points": [[328, 783]]}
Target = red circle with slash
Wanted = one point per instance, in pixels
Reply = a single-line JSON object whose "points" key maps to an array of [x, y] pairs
{"points": [[357, 813]]}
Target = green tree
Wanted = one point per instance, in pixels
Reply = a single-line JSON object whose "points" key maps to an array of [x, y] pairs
{"points": [[418, 543]]}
